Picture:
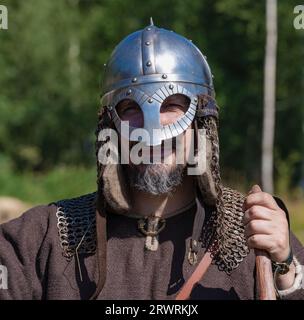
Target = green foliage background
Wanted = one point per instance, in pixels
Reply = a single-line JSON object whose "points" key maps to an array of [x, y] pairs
{"points": [[51, 62]]}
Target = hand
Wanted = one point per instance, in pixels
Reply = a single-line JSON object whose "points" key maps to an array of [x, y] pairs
{"points": [[266, 226]]}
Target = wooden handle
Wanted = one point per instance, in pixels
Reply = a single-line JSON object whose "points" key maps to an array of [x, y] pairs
{"points": [[264, 276]]}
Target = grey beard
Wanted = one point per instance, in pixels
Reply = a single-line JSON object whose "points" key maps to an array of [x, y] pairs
{"points": [[155, 179]]}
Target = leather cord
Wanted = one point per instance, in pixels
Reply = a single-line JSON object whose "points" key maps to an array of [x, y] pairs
{"points": [[101, 235], [201, 269]]}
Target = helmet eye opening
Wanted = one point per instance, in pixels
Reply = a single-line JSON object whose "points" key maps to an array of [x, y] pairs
{"points": [[174, 107], [129, 110]]}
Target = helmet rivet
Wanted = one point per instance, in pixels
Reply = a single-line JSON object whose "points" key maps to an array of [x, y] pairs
{"points": [[149, 64], [164, 76], [195, 99], [134, 80], [150, 100], [171, 86], [129, 92], [147, 43], [149, 29]]}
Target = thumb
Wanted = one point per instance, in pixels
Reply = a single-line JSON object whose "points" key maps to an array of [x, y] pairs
{"points": [[256, 188]]}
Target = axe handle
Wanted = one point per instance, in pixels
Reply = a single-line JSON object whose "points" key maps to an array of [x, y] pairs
{"points": [[264, 276]]}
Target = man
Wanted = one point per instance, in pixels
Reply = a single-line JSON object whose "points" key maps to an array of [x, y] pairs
{"points": [[145, 230]]}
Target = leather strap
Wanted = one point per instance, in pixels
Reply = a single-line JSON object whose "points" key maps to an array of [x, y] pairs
{"points": [[101, 232], [196, 232], [196, 276]]}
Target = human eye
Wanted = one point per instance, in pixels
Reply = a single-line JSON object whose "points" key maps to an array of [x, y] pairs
{"points": [[172, 107], [129, 109], [126, 108]]}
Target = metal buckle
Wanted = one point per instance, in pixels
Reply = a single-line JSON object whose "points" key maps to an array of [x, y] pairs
{"points": [[281, 267]]}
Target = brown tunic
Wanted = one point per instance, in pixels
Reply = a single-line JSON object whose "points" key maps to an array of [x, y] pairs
{"points": [[30, 249]]}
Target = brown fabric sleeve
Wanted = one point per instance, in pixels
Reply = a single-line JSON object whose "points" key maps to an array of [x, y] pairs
{"points": [[298, 252], [20, 243]]}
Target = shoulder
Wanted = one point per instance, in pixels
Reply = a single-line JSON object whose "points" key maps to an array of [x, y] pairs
{"points": [[22, 238], [64, 220], [32, 222], [75, 222]]}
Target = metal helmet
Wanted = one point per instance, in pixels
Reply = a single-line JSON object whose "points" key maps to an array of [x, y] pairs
{"points": [[148, 66]]}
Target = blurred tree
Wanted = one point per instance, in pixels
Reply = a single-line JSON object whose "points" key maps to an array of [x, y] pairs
{"points": [[51, 62], [269, 95]]}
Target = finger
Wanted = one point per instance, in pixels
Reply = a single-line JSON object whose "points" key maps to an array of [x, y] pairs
{"points": [[260, 241], [262, 199], [258, 227], [256, 188], [257, 212]]}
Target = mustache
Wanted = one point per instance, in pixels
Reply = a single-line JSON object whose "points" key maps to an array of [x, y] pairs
{"points": [[171, 142]]}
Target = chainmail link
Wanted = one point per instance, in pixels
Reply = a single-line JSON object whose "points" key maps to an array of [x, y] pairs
{"points": [[76, 225], [223, 233]]}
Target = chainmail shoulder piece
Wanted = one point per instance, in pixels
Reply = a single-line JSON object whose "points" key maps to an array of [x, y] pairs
{"points": [[223, 234], [76, 222]]}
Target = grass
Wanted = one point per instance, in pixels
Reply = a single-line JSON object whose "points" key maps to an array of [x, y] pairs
{"points": [[296, 211], [60, 183]]}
